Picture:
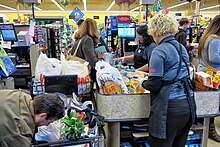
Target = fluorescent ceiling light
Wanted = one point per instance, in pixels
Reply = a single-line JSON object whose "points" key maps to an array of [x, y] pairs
{"points": [[210, 12], [180, 4], [210, 7], [35, 7], [7, 7], [84, 2], [136, 8], [111, 5], [54, 1], [93, 11]]}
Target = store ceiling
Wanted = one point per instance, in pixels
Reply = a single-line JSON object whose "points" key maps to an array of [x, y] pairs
{"points": [[102, 5]]}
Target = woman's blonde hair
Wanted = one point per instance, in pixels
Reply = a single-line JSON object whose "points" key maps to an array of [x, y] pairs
{"points": [[162, 25], [213, 31], [88, 27]]}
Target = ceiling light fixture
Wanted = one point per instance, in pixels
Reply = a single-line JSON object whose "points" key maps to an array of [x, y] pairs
{"points": [[111, 5], [35, 7], [54, 1], [136, 8], [179, 5], [210, 7], [84, 2], [7, 7], [93, 11]]}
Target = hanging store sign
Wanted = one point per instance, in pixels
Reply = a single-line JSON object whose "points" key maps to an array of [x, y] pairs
{"points": [[95, 17], [76, 15], [124, 19]]}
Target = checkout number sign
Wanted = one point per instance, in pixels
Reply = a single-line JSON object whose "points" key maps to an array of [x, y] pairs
{"points": [[76, 15]]}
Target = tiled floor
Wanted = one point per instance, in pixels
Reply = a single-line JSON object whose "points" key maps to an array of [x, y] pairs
{"points": [[212, 143]]}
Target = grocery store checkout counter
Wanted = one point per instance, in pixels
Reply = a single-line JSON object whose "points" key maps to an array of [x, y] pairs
{"points": [[136, 107]]}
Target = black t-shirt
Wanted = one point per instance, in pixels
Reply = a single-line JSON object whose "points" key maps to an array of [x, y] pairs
{"points": [[181, 37], [138, 59]]}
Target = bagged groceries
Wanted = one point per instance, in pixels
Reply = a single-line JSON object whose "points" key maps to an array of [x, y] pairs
{"points": [[74, 67], [50, 66], [109, 79], [70, 67], [47, 66]]}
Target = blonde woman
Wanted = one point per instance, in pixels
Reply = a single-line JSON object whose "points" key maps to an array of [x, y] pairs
{"points": [[172, 107], [208, 51]]}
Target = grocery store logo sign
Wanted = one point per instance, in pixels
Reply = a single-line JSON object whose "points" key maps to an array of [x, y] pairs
{"points": [[76, 15], [123, 19]]}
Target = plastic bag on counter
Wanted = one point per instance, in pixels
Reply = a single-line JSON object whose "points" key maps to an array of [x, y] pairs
{"points": [[109, 79], [6, 65], [47, 66], [80, 69]]}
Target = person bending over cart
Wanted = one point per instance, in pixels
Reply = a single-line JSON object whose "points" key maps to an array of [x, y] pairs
{"points": [[20, 115]]}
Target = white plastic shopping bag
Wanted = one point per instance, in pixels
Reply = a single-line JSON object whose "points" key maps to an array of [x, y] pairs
{"points": [[109, 79], [49, 133], [47, 66], [70, 67], [74, 67]]}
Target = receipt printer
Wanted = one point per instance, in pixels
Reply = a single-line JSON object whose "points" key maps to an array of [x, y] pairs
{"points": [[23, 38]]}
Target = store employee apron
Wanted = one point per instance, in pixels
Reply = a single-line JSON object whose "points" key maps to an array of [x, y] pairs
{"points": [[158, 111], [138, 59]]}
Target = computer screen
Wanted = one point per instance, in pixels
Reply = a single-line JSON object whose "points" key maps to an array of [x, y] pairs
{"points": [[66, 84], [8, 32], [188, 31], [126, 32], [19, 28], [1, 20]]}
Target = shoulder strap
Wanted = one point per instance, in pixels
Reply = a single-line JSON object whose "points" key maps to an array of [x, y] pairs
{"points": [[180, 61], [76, 48], [181, 57]]}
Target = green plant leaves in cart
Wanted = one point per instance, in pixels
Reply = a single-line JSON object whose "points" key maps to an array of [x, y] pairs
{"points": [[73, 126]]}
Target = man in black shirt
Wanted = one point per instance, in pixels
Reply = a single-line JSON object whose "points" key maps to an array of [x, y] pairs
{"points": [[181, 35]]}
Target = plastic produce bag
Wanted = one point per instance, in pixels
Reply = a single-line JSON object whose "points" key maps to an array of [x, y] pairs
{"points": [[49, 133], [6, 65], [109, 79], [47, 66]]}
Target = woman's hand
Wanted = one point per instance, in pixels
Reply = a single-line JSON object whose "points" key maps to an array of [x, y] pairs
{"points": [[122, 59], [101, 55]]}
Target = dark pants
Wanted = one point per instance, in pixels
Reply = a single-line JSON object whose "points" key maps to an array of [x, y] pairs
{"points": [[178, 125]]}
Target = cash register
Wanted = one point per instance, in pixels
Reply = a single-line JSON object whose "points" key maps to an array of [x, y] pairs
{"points": [[19, 53]]}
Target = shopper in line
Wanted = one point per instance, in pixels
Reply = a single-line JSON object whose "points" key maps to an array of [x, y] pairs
{"points": [[143, 52], [20, 115], [208, 53], [181, 35], [88, 37], [172, 103], [78, 25]]}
